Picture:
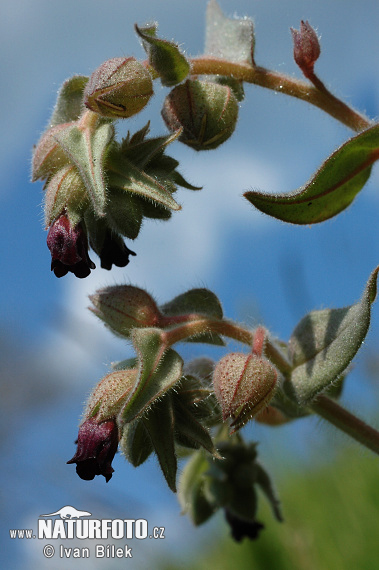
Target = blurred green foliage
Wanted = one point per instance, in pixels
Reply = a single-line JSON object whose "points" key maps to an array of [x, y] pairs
{"points": [[331, 522]]}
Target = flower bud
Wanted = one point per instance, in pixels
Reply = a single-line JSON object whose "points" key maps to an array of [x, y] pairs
{"points": [[306, 47], [243, 384], [48, 156], [207, 112], [124, 307], [69, 248], [120, 87], [110, 394]]}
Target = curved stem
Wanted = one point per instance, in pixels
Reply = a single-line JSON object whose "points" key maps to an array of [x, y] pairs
{"points": [[312, 94], [347, 422]]}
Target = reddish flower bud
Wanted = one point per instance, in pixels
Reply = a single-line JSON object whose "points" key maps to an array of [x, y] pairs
{"points": [[97, 445], [306, 47], [120, 87], [124, 307], [69, 248], [243, 384]]}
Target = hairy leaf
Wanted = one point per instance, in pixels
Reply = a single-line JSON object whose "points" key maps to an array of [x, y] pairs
{"points": [[69, 105], [159, 369], [164, 56], [159, 423], [324, 343], [332, 188], [228, 38]]}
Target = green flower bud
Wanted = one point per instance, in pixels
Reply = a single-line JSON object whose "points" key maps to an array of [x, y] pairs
{"points": [[65, 191], [48, 156], [207, 112], [110, 395], [243, 384], [124, 307], [120, 87]]}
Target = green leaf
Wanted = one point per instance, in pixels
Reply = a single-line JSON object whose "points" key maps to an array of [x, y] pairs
{"points": [[69, 105], [86, 149], [190, 430], [264, 481], [332, 188], [159, 423], [227, 38], [191, 490], [197, 301], [159, 369], [135, 443], [124, 175], [143, 152], [124, 213], [164, 56], [324, 343]]}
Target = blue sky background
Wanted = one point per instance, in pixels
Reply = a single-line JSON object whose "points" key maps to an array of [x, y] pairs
{"points": [[52, 350]]}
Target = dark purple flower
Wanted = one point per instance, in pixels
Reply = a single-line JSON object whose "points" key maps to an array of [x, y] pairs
{"points": [[241, 527], [69, 248], [97, 445], [114, 251]]}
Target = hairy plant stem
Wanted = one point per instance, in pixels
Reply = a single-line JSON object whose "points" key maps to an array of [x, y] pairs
{"points": [[316, 94], [345, 421], [189, 325]]}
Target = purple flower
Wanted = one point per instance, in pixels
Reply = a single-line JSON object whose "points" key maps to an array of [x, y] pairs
{"points": [[69, 248], [97, 445], [114, 251], [241, 527]]}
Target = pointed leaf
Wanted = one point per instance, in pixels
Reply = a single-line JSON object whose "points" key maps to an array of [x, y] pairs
{"points": [[159, 370], [332, 188], [124, 175], [143, 152], [191, 489], [193, 432], [135, 443], [86, 150], [324, 343], [197, 301], [164, 56], [69, 104], [159, 424], [227, 38], [264, 481]]}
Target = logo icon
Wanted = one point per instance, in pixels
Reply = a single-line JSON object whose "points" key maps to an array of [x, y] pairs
{"points": [[69, 512]]}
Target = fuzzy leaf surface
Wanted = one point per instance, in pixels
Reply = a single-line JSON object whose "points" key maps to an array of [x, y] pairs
{"points": [[228, 38], [324, 343], [331, 189], [159, 369], [69, 105], [164, 56]]}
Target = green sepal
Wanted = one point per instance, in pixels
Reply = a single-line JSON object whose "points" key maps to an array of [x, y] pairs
{"points": [[324, 343], [159, 369], [136, 443], [190, 432], [86, 148], [228, 38], [124, 213], [263, 480], [164, 56], [69, 105], [200, 302], [331, 189], [142, 152], [159, 424], [191, 494], [125, 364], [122, 174], [65, 191]]}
